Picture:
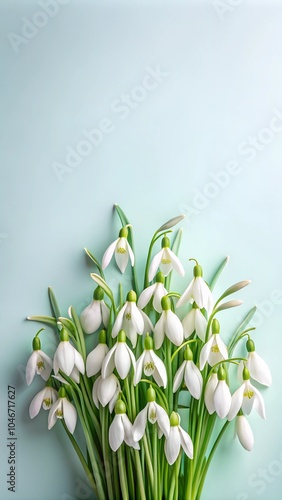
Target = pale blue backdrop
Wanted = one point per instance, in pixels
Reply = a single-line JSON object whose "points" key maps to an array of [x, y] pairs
{"points": [[182, 102]]}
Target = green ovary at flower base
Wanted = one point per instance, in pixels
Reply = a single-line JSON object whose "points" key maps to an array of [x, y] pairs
{"points": [[130, 442]]}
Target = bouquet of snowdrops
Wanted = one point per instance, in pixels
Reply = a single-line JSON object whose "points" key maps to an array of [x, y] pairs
{"points": [[159, 354]]}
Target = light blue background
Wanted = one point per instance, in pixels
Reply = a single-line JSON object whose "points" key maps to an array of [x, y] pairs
{"points": [[222, 86]]}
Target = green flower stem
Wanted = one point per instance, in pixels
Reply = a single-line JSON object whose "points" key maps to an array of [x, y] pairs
{"points": [[122, 473], [90, 447], [128, 397], [140, 478], [155, 461], [79, 331], [236, 339], [129, 473], [148, 460], [81, 458], [204, 473], [176, 472], [206, 438], [183, 345], [106, 451], [169, 393]]}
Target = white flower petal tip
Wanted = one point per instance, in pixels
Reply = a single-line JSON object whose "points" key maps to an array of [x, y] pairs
{"points": [[39, 363], [95, 359], [258, 369], [244, 432]]}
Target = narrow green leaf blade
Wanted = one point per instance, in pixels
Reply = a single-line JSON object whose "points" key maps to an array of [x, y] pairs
{"points": [[170, 223], [54, 303], [43, 319], [218, 273]]}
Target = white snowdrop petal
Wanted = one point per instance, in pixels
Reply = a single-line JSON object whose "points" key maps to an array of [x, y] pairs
{"points": [[160, 292], [155, 265], [106, 389], [139, 425], [193, 379], [222, 399], [108, 254], [176, 264], [91, 318], [174, 328], [159, 332], [36, 403], [116, 433], [95, 391], [209, 393], [160, 370], [172, 445], [205, 352], [122, 360], [178, 377], [236, 402], [186, 296], [200, 325], [188, 323], [64, 358], [31, 367], [118, 322], [108, 364], [259, 369], [244, 432], [70, 415], [186, 442], [52, 418], [162, 420], [259, 403], [95, 359], [139, 368], [145, 296]]}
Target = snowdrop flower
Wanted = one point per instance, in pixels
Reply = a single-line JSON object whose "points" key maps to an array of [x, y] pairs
{"points": [[257, 367], [246, 397], [44, 399], [151, 364], [121, 429], [244, 432], [198, 291], [156, 291], [166, 260], [222, 395], [195, 321], [153, 413], [168, 324], [106, 391], [96, 357], [96, 313], [122, 251], [177, 438], [132, 320], [39, 363], [209, 392], [191, 373], [214, 350], [119, 357], [67, 358], [62, 408]]}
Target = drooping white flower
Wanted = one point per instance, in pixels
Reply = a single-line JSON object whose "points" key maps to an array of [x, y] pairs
{"points": [[153, 413], [209, 392], [62, 408], [244, 432], [106, 391], [156, 291], [132, 320], [214, 349], [166, 260], [222, 395], [192, 376], [96, 357], [257, 367], [121, 429], [198, 291], [246, 397], [120, 357], [67, 358], [122, 250], [177, 438], [195, 321], [44, 399], [39, 363], [169, 324], [151, 364], [96, 313]]}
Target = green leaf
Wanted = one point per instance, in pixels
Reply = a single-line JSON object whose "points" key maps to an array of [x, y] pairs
{"points": [[245, 322], [96, 262], [175, 248], [43, 319], [123, 219], [218, 273], [54, 303], [68, 324], [233, 289], [228, 305], [170, 223], [102, 284]]}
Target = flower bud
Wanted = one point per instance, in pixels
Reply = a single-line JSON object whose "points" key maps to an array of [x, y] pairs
{"points": [[165, 303], [250, 345], [221, 374], [215, 326], [36, 344], [148, 343], [246, 374], [123, 232], [165, 242], [131, 296], [198, 271], [64, 336], [174, 419], [120, 407], [160, 277], [98, 293], [102, 337], [188, 354], [122, 336], [62, 392], [151, 395]]}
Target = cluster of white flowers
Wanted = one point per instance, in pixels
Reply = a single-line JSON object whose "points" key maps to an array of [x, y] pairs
{"points": [[191, 356]]}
